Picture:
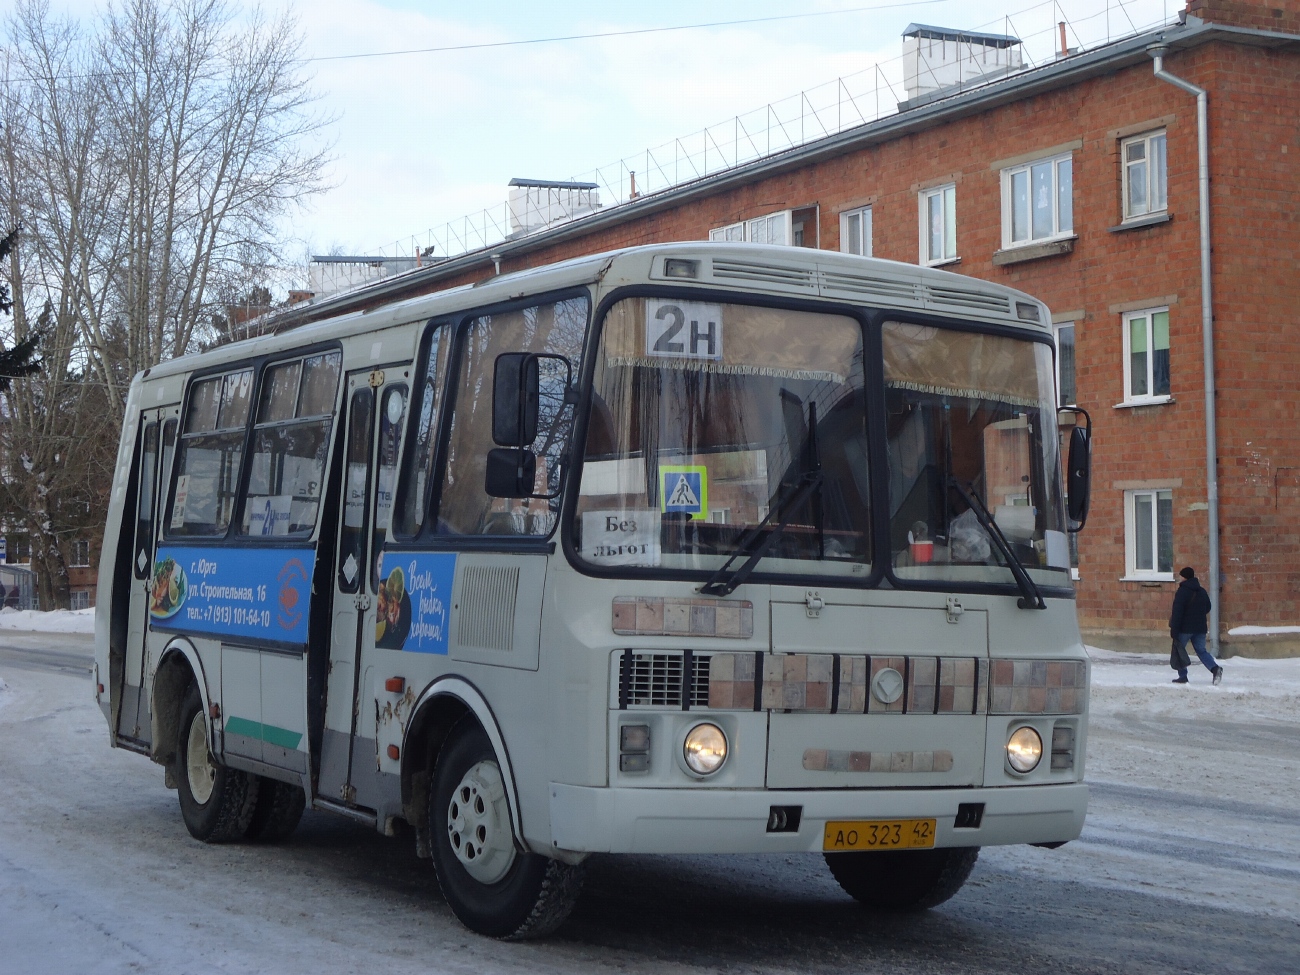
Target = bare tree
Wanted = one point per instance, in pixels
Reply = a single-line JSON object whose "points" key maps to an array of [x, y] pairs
{"points": [[150, 155]]}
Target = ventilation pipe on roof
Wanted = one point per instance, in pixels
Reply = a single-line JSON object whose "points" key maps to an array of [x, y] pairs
{"points": [[1158, 52]]}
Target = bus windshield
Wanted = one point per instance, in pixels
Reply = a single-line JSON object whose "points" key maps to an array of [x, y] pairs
{"points": [[720, 430], [971, 431], [709, 420]]}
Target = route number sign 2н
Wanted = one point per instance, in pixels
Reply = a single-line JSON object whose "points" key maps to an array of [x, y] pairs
{"points": [[683, 329]]}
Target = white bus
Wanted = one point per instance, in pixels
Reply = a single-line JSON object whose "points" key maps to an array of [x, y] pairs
{"points": [[682, 548]]}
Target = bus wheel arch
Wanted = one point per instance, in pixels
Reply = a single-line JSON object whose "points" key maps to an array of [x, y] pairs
{"points": [[439, 709], [179, 667]]}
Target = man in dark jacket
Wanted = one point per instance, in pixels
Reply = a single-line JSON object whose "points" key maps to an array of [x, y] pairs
{"points": [[1189, 621]]}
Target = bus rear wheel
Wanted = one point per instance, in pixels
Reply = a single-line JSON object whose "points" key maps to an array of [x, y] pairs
{"points": [[279, 808], [903, 880], [217, 802], [493, 887]]}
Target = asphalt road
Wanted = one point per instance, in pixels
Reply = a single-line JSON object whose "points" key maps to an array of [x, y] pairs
{"points": [[98, 874], [69, 653]]}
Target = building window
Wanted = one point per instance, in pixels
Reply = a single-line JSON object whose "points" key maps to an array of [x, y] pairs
{"points": [[1146, 356], [939, 224], [1145, 189], [80, 599], [80, 553], [731, 233], [1037, 201], [1065, 363], [1149, 534], [771, 228], [855, 231], [18, 549]]}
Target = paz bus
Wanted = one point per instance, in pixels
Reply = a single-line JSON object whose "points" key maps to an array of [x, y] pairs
{"points": [[681, 548]]}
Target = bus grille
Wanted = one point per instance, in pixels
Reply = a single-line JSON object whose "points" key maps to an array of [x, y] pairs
{"points": [[655, 680]]}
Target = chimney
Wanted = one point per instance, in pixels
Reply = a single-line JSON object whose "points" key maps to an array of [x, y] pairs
{"points": [[1063, 51]]}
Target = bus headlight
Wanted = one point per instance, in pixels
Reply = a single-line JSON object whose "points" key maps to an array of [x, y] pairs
{"points": [[1024, 749], [705, 749]]}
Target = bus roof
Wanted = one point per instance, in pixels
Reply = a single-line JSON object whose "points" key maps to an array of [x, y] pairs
{"points": [[752, 268]]}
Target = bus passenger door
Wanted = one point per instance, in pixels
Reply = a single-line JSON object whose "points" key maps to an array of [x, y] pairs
{"points": [[157, 441], [376, 412]]}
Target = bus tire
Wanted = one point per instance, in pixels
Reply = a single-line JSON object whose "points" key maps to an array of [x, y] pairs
{"points": [[494, 888], [278, 809], [903, 880], [217, 802]]}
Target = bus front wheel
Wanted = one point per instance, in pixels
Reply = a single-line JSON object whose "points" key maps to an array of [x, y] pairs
{"points": [[493, 887], [903, 880], [217, 802]]}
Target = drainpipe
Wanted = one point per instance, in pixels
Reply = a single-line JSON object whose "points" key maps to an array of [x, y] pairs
{"points": [[1157, 52]]}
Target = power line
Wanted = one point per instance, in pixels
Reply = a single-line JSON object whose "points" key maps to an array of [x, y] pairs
{"points": [[552, 40], [621, 33]]}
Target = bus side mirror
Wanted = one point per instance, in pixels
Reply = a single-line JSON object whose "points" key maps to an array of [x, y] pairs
{"points": [[511, 472], [515, 394], [1078, 472]]}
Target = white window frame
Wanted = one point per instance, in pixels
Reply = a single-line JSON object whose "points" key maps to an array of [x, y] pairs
{"points": [[1144, 399], [770, 228], [947, 197], [855, 231], [1056, 338], [80, 554], [1131, 554], [1154, 176], [731, 232], [1062, 217], [79, 599]]}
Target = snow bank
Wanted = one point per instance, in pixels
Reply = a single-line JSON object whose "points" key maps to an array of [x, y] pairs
{"points": [[1261, 630], [55, 621]]}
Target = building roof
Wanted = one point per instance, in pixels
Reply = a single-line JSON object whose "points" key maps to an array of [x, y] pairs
{"points": [[551, 184]]}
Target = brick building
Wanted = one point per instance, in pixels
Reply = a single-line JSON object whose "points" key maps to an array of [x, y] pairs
{"points": [[1078, 182]]}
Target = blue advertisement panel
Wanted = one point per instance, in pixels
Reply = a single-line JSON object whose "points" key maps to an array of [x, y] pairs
{"points": [[253, 594], [414, 601]]}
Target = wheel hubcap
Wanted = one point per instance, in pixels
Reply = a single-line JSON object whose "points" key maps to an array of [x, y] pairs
{"points": [[200, 771], [478, 824]]}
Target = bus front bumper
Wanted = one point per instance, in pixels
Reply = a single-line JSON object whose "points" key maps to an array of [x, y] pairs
{"points": [[619, 820]]}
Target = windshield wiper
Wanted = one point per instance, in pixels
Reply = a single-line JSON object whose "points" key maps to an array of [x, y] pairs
{"points": [[722, 584], [1030, 597]]}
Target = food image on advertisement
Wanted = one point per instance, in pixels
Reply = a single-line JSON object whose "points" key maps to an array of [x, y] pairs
{"points": [[393, 612], [168, 590]]}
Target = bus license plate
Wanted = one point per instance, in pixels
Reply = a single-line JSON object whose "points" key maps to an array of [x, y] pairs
{"points": [[891, 834]]}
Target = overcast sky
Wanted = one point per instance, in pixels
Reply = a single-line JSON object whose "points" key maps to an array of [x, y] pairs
{"points": [[425, 138]]}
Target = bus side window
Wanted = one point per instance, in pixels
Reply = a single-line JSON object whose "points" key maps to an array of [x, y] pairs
{"points": [[352, 539], [210, 455], [144, 511], [413, 489], [295, 414], [465, 507]]}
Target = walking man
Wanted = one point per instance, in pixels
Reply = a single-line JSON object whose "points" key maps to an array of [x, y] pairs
{"points": [[1189, 621]]}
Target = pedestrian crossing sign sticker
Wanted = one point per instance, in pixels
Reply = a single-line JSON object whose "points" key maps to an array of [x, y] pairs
{"points": [[684, 488]]}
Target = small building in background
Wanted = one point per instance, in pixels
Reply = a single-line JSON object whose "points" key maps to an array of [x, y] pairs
{"points": [[938, 61], [536, 204]]}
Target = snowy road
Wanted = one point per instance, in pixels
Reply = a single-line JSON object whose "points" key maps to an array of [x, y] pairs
{"points": [[1190, 862]]}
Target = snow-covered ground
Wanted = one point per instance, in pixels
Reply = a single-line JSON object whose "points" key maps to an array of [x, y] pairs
{"points": [[1192, 845], [55, 621]]}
